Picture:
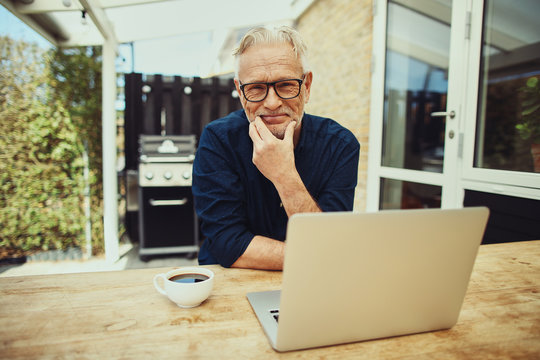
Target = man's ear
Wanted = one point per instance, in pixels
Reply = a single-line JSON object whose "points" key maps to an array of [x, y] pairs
{"points": [[307, 83]]}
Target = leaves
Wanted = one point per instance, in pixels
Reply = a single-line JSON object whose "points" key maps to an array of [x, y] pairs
{"points": [[528, 126], [49, 104], [532, 82]]}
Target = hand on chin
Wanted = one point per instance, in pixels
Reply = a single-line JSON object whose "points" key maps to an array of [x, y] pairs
{"points": [[278, 130], [277, 125]]}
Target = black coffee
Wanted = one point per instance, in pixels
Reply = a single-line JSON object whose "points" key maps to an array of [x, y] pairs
{"points": [[188, 278]]}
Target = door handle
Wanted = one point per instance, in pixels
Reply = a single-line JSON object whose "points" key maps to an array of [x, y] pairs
{"points": [[168, 202], [451, 114]]}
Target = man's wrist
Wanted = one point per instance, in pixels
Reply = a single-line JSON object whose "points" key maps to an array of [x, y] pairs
{"points": [[295, 197], [262, 253]]}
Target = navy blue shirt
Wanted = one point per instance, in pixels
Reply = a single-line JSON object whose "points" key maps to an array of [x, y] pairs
{"points": [[235, 202]]}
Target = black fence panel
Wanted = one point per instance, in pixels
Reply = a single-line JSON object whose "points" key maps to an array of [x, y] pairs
{"points": [[132, 118], [172, 105]]}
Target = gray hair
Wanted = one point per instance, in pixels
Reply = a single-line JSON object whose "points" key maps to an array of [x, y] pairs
{"points": [[265, 35]]}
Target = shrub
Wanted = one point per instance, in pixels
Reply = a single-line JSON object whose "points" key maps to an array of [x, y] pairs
{"points": [[41, 151]]}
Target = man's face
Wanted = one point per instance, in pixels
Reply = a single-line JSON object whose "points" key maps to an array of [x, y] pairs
{"points": [[269, 63]]}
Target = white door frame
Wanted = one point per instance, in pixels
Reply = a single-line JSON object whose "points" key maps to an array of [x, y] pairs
{"points": [[458, 174], [512, 183]]}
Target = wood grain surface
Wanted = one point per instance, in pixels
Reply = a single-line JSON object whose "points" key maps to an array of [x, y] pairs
{"points": [[113, 315]]}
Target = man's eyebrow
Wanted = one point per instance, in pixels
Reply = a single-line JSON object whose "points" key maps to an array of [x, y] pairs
{"points": [[292, 77]]}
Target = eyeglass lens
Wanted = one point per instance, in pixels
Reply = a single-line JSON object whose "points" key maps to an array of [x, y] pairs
{"points": [[285, 89]]}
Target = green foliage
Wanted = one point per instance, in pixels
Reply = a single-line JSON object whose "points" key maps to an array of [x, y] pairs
{"points": [[76, 79], [503, 147], [49, 104], [529, 124]]}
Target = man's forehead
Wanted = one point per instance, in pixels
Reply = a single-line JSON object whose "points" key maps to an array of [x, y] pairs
{"points": [[269, 60]]}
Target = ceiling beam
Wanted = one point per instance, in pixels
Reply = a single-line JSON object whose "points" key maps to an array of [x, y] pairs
{"points": [[120, 3], [38, 7], [100, 19], [30, 22]]}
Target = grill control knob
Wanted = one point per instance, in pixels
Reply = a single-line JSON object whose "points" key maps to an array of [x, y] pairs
{"points": [[149, 175], [167, 175], [186, 175]]}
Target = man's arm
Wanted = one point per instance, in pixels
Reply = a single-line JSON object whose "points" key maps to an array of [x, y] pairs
{"points": [[262, 253], [219, 197], [275, 160], [294, 195]]}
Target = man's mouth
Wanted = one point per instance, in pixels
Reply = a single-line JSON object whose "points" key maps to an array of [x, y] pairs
{"points": [[274, 118]]}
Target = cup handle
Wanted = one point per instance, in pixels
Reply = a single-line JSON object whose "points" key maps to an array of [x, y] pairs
{"points": [[156, 284]]}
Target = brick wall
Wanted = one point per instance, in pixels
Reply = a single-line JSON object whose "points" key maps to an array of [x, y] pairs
{"points": [[338, 36]]}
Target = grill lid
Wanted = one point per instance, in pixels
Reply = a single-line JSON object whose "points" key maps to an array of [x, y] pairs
{"points": [[167, 148]]}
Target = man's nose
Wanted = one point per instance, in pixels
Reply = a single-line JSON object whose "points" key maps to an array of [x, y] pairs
{"points": [[272, 100]]}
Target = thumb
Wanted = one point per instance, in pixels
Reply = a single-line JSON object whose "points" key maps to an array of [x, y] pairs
{"points": [[289, 132]]}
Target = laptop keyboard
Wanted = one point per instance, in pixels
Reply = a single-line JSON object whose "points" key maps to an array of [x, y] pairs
{"points": [[275, 314]]}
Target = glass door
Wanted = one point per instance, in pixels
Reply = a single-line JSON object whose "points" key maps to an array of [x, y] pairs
{"points": [[503, 156], [413, 150], [455, 102]]}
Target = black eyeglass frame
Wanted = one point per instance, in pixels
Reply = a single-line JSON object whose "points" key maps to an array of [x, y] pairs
{"points": [[273, 84]]}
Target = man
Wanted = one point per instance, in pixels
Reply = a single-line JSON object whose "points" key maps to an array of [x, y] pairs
{"points": [[258, 166]]}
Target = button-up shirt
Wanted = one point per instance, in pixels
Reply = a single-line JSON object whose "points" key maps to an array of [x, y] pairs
{"points": [[235, 202]]}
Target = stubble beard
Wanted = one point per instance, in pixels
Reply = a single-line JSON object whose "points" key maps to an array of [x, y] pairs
{"points": [[278, 130]]}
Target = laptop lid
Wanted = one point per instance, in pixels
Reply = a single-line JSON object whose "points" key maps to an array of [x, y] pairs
{"points": [[356, 276]]}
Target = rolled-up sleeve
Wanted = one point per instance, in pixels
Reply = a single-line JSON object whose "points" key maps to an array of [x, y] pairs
{"points": [[220, 201]]}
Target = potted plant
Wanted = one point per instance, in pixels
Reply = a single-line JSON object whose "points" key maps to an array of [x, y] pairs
{"points": [[528, 126]]}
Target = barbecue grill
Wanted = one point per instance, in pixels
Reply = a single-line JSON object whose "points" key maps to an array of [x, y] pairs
{"points": [[167, 220]]}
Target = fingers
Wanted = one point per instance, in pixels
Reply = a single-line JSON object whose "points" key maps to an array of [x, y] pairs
{"points": [[259, 132], [263, 131], [253, 133], [289, 132]]}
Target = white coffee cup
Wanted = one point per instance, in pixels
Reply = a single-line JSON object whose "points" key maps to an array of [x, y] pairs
{"points": [[187, 287]]}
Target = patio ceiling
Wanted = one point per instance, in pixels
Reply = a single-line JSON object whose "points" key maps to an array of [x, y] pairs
{"points": [[90, 22]]}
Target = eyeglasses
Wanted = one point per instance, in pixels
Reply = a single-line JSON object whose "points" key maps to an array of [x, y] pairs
{"points": [[285, 89]]}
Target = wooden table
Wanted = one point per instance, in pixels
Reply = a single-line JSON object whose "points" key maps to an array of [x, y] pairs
{"points": [[120, 315]]}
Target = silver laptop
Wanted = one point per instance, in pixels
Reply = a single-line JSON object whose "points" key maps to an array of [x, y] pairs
{"points": [[357, 276]]}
